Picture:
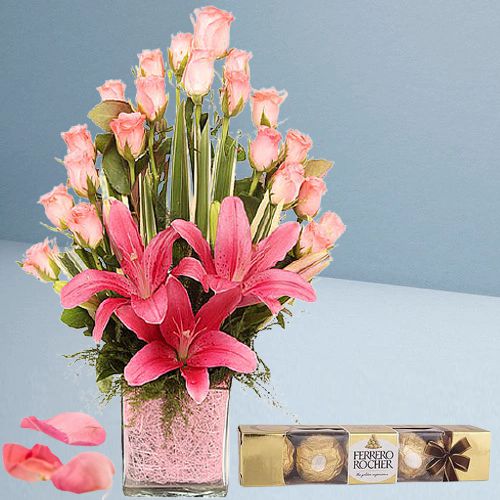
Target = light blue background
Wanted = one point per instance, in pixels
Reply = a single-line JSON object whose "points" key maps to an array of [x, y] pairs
{"points": [[403, 95], [363, 353]]}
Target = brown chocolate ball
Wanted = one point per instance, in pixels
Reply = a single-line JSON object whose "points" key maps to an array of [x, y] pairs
{"points": [[319, 458]]}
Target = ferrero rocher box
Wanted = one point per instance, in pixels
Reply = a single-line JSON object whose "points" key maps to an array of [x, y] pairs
{"points": [[272, 455]]}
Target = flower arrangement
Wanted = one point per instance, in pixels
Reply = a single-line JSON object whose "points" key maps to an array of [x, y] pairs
{"points": [[187, 238]]}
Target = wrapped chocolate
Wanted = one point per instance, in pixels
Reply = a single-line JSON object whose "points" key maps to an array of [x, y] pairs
{"points": [[279, 455]]}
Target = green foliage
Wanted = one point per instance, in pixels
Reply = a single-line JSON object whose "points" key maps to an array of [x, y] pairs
{"points": [[317, 168], [116, 169], [77, 318], [102, 141], [101, 114], [202, 168]]}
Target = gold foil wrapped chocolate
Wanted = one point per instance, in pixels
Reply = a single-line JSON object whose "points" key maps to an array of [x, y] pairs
{"points": [[288, 457], [319, 458], [412, 457]]}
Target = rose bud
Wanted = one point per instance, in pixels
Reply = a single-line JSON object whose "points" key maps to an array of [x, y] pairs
{"points": [[151, 63], [178, 53], [309, 201], [286, 183], [211, 30], [80, 169], [112, 90], [85, 224], [266, 106], [237, 60], [40, 261], [151, 98], [321, 235], [235, 92], [78, 138], [264, 149], [57, 204], [199, 73], [310, 265], [129, 132], [297, 146]]}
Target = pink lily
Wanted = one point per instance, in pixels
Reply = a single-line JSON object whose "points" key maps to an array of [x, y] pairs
{"points": [[191, 342], [237, 264], [142, 286]]}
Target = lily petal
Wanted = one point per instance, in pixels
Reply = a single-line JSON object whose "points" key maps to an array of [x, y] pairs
{"points": [[217, 309], [104, 312], [89, 282], [90, 471], [233, 244], [35, 464], [192, 268], [72, 428], [275, 247], [144, 331], [153, 309], [179, 316], [189, 232], [151, 362], [276, 283], [214, 348], [197, 382], [158, 257]]}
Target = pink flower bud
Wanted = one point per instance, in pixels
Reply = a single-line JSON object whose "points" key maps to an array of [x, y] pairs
{"points": [[178, 53], [266, 106], [151, 63], [235, 92], [80, 167], [113, 90], [211, 30], [78, 138], [129, 132], [318, 236], [85, 224], [264, 149], [237, 60], [199, 73], [151, 98], [286, 183], [297, 146], [40, 261], [309, 201], [310, 265], [57, 204]]}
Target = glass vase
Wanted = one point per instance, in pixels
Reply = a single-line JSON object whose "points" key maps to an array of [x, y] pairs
{"points": [[189, 460]]}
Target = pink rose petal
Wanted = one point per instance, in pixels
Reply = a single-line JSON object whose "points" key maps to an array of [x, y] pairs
{"points": [[75, 428], [35, 464]]}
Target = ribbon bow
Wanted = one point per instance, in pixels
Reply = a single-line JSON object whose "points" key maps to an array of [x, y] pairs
{"points": [[451, 459]]}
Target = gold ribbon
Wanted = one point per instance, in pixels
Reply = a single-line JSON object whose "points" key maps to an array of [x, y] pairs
{"points": [[449, 459]]}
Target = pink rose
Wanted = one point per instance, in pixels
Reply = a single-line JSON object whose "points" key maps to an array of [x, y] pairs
{"points": [[318, 236], [151, 63], [211, 30], [199, 73], [40, 261], [297, 146], [80, 167], [237, 60], [235, 92], [57, 203], [264, 149], [78, 138], [178, 53], [129, 132], [267, 102], [113, 90], [309, 201], [286, 183], [151, 97], [85, 224]]}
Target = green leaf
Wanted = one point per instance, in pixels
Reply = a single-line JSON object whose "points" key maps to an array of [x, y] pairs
{"points": [[102, 141], [202, 178], [179, 190], [251, 204], [105, 111], [68, 264], [281, 320], [317, 168], [147, 214], [241, 153], [242, 186], [77, 318], [225, 167], [116, 170]]}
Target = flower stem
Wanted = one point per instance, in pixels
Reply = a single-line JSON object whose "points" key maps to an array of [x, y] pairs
{"points": [[131, 166], [255, 181], [151, 138]]}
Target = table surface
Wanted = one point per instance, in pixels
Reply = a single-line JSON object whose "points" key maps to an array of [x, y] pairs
{"points": [[363, 353]]}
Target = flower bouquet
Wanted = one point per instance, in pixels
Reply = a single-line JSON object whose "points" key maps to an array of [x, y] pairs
{"points": [[176, 262]]}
